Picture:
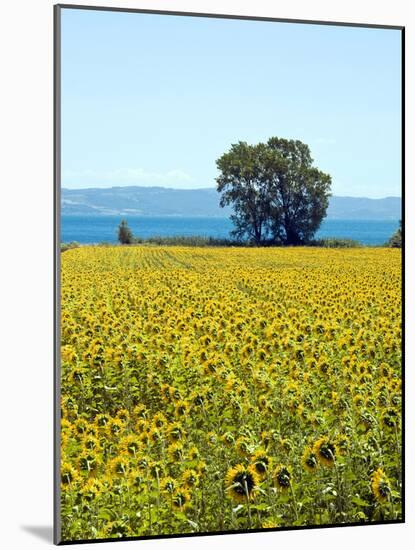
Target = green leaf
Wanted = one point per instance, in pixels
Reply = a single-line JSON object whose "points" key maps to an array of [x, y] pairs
{"points": [[359, 501], [106, 514], [237, 508]]}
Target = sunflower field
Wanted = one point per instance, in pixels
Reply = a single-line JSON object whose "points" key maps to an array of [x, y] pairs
{"points": [[226, 389]]}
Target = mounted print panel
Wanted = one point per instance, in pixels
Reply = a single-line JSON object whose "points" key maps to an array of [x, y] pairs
{"points": [[228, 274]]}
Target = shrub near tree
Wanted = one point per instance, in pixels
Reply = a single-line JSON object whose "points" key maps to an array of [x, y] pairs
{"points": [[277, 194], [396, 240], [125, 235]]}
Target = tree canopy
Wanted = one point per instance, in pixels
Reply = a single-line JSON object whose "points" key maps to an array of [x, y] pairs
{"points": [[125, 235], [276, 193], [396, 240]]}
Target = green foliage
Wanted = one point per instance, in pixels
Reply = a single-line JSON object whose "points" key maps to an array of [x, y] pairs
{"points": [[68, 246], [333, 242], [396, 240], [277, 194], [125, 235], [187, 240]]}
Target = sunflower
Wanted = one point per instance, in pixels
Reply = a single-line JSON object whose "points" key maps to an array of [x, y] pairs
{"points": [[175, 451], [155, 435], [342, 444], [92, 488], [242, 446], [194, 453], [66, 426], [175, 394], [102, 420], [267, 437], [165, 392], [241, 481], [176, 431], [130, 444], [123, 415], [168, 485], [114, 427], [286, 444], [380, 486], [119, 466], [159, 420], [181, 408], [135, 480], [142, 426], [325, 450], [80, 426], [263, 403], [156, 469], [201, 467], [390, 418], [140, 411], [142, 463], [68, 475], [358, 400], [190, 478], [90, 442], [282, 477], [309, 460], [181, 499], [261, 463], [88, 462]]}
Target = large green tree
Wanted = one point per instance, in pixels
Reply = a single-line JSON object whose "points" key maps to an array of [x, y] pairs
{"points": [[276, 193], [244, 185]]}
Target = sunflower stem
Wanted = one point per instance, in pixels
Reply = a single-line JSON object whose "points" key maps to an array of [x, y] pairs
{"points": [[247, 504], [294, 502]]}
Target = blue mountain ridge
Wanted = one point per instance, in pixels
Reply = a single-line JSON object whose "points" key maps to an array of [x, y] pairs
{"points": [[204, 202]]}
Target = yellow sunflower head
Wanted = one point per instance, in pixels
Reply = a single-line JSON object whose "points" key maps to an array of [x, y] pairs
{"points": [[309, 460], [390, 419], [181, 408], [242, 446], [282, 477], [68, 475], [241, 481], [181, 499], [228, 439], [114, 427], [168, 485], [88, 461], [261, 462], [119, 466], [92, 488], [326, 452], [154, 435], [159, 420], [190, 478], [380, 486], [176, 431], [175, 452], [130, 444]]}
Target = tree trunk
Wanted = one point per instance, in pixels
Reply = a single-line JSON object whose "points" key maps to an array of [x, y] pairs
{"points": [[292, 237]]}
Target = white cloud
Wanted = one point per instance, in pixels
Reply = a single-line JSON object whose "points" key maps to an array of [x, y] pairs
{"points": [[123, 176]]}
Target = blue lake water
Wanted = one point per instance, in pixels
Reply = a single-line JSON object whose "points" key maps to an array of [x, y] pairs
{"points": [[96, 229]]}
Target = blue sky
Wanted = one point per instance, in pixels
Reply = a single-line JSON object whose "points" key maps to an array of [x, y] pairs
{"points": [[155, 100]]}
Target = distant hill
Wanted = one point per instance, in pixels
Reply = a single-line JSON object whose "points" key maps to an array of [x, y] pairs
{"points": [[360, 208], [162, 201]]}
